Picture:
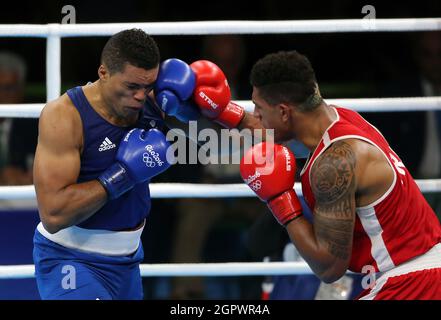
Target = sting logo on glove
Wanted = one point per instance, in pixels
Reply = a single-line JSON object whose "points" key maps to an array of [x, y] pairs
{"points": [[208, 100]]}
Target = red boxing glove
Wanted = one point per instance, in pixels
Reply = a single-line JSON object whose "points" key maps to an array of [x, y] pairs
{"points": [[269, 170], [212, 94]]}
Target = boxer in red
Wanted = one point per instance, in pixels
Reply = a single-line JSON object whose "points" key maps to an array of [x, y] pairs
{"points": [[369, 214]]}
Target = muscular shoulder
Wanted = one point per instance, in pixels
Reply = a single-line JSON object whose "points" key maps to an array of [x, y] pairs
{"points": [[61, 106], [351, 166], [333, 173], [60, 119]]}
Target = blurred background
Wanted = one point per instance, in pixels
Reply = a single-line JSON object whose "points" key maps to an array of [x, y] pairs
{"points": [[347, 65]]}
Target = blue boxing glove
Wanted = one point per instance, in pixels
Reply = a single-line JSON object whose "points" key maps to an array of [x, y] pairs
{"points": [[141, 155], [174, 88]]}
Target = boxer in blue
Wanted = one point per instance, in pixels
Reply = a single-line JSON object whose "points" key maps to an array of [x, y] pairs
{"points": [[98, 147]]}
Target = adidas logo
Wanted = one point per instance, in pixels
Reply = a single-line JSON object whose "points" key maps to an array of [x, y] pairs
{"points": [[106, 145]]}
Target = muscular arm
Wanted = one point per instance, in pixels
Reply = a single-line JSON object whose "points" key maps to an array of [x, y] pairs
{"points": [[326, 244], [62, 202]]}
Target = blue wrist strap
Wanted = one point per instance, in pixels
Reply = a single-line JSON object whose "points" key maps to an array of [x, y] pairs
{"points": [[116, 181]]}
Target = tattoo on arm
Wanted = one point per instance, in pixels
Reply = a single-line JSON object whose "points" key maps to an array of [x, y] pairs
{"points": [[333, 185]]}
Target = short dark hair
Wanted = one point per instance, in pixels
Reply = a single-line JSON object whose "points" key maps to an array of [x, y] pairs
{"points": [[132, 46], [286, 77]]}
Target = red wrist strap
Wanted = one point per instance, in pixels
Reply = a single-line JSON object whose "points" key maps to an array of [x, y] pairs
{"points": [[286, 207], [231, 116]]}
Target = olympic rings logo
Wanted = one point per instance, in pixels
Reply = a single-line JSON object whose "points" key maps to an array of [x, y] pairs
{"points": [[256, 185], [148, 160]]}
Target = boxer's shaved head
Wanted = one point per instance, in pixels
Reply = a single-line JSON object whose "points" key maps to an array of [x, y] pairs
{"points": [[132, 46]]}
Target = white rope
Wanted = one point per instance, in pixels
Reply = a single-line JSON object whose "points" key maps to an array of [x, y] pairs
{"points": [[225, 269], [17, 272], [24, 110], [389, 104], [157, 190], [429, 185], [17, 192], [360, 105], [188, 190], [194, 190], [188, 269], [53, 67], [223, 27], [376, 104]]}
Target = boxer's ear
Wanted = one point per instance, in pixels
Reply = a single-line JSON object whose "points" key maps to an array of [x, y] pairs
{"points": [[285, 112], [103, 73]]}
